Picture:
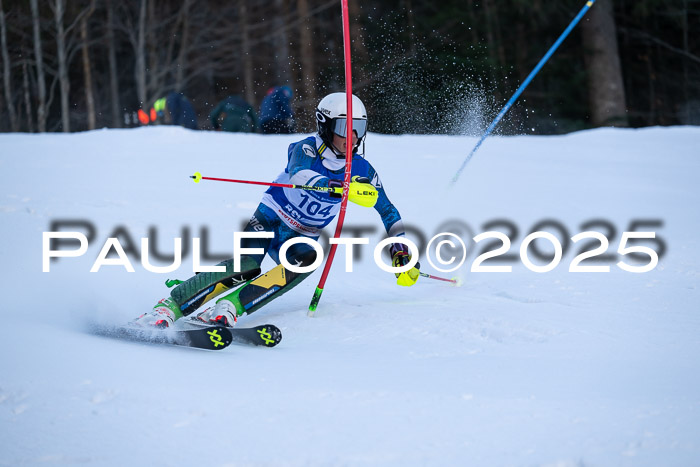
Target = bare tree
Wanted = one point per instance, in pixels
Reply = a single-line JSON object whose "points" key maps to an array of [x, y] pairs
{"points": [[27, 97], [7, 82], [155, 43], [606, 92], [112, 58], [491, 43], [87, 67], [152, 47], [184, 46], [306, 46], [358, 40], [140, 51], [280, 36], [168, 66], [40, 76], [59, 9], [308, 65], [686, 49], [246, 57]]}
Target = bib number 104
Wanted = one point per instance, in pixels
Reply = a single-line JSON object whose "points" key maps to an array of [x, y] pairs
{"points": [[314, 208]]}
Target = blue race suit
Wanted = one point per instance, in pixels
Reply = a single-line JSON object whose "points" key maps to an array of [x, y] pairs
{"points": [[307, 212], [288, 213]]}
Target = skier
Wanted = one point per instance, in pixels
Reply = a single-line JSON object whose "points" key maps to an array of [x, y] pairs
{"points": [[175, 109], [237, 114], [318, 160], [276, 114]]}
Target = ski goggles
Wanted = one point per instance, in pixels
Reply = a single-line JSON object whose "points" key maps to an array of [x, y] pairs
{"points": [[359, 126]]}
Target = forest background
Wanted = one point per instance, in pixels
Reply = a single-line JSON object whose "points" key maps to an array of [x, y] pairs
{"points": [[442, 67]]}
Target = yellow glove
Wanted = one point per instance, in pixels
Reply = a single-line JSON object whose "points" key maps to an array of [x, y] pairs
{"points": [[400, 257], [361, 191]]}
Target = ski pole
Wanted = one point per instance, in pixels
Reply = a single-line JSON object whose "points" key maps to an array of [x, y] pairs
{"points": [[198, 177], [430, 276], [522, 87]]}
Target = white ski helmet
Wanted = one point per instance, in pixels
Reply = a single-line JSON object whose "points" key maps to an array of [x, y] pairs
{"points": [[331, 117]]}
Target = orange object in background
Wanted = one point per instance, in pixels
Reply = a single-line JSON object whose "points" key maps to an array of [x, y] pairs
{"points": [[153, 115], [143, 118]]}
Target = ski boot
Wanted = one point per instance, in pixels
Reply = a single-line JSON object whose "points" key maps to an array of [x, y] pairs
{"points": [[162, 316], [224, 313]]}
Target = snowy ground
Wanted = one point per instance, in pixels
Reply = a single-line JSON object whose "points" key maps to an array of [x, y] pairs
{"points": [[519, 368]]}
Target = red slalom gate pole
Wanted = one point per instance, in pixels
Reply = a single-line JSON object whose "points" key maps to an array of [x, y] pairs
{"points": [[348, 160]]}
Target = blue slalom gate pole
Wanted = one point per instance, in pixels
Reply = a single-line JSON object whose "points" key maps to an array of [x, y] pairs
{"points": [[522, 87]]}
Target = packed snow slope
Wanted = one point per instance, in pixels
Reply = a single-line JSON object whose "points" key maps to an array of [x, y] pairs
{"points": [[512, 368]]}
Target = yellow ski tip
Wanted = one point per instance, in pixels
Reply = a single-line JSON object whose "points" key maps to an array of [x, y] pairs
{"points": [[197, 177]]}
